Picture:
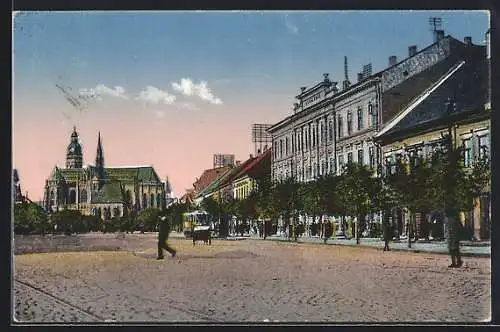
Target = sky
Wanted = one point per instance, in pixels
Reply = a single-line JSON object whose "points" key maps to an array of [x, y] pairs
{"points": [[170, 89]]}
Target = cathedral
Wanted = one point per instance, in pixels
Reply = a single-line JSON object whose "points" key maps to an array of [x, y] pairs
{"points": [[99, 190]]}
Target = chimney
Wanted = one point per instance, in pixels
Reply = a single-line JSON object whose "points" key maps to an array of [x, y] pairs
{"points": [[259, 152], [251, 156], [439, 35], [468, 41], [302, 89], [393, 60], [360, 77], [412, 50], [237, 163]]}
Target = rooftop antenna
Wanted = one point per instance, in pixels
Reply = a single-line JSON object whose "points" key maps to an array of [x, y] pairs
{"points": [[435, 24]]}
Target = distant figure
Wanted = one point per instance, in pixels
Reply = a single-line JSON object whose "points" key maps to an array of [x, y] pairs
{"points": [[454, 242], [387, 231], [163, 232]]}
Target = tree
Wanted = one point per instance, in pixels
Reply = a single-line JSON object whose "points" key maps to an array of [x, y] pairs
{"points": [[284, 196], [67, 221], [357, 187], [30, 218], [148, 219]]}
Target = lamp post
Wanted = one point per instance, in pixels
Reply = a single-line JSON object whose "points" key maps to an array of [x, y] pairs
{"points": [[450, 105]]}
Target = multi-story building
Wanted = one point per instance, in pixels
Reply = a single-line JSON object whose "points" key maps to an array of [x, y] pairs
{"points": [[331, 127], [99, 190], [459, 98]]}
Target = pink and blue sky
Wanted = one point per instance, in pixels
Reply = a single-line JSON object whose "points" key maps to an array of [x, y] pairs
{"points": [[172, 88]]}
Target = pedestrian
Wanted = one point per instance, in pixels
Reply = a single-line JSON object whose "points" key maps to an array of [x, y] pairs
{"points": [[454, 241], [163, 232], [387, 231]]}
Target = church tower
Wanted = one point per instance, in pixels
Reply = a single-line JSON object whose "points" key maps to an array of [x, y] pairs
{"points": [[74, 156], [99, 158]]}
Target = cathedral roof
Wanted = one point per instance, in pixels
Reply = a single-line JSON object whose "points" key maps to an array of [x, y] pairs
{"points": [[110, 192], [140, 173]]}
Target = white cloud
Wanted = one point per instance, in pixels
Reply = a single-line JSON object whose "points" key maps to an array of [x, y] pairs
{"points": [[292, 28], [154, 95], [188, 88], [102, 90]]}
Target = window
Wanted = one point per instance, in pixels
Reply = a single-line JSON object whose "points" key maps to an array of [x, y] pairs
{"points": [[349, 123], [313, 136], [322, 132], [116, 212], [341, 161], [72, 196], [391, 167], [360, 156], [83, 196], [152, 200], [484, 145], [371, 154], [52, 198], [301, 140], [341, 129], [360, 118], [467, 144], [286, 146], [349, 157], [158, 201], [332, 165], [309, 137], [330, 130], [144, 201], [281, 148], [373, 112]]}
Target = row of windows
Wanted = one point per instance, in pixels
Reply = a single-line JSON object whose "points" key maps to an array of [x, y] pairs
{"points": [[360, 158], [473, 147], [311, 136], [360, 116], [84, 198], [242, 192]]}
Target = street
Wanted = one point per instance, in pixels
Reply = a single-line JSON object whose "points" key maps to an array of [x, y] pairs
{"points": [[248, 281]]}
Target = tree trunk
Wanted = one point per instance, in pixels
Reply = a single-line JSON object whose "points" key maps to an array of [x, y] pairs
{"points": [[356, 229], [410, 228]]}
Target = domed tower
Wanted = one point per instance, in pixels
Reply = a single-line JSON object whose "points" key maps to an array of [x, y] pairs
{"points": [[74, 156]]}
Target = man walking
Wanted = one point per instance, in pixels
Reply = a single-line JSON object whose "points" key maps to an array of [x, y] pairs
{"points": [[163, 232]]}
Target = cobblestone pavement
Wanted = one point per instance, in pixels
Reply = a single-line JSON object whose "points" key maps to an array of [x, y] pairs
{"points": [[251, 280]]}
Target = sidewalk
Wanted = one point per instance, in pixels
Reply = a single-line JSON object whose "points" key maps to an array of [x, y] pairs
{"points": [[467, 248]]}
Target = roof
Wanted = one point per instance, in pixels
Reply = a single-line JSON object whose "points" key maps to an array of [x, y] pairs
{"points": [[214, 184], [71, 173], [141, 173], [466, 83], [231, 175], [400, 96], [208, 176], [110, 192], [257, 166]]}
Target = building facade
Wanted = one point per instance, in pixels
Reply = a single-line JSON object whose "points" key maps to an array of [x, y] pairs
{"points": [[330, 127], [99, 190], [460, 99]]}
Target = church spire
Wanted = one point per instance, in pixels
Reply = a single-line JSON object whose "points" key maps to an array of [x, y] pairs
{"points": [[99, 159]]}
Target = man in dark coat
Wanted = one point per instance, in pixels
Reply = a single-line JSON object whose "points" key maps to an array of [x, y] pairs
{"points": [[387, 232], [454, 241], [163, 232]]}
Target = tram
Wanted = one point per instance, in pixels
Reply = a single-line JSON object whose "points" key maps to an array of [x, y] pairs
{"points": [[194, 219]]}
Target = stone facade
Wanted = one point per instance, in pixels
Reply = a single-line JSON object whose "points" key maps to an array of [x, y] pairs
{"points": [[99, 190]]}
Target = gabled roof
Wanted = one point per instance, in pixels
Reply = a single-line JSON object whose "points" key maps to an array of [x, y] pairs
{"points": [[208, 176], [257, 166], [214, 184], [466, 83]]}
